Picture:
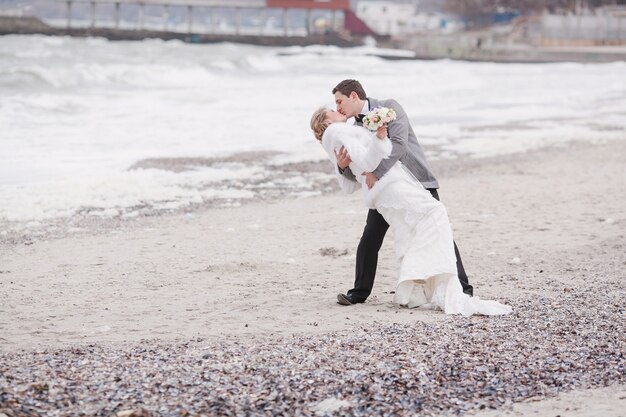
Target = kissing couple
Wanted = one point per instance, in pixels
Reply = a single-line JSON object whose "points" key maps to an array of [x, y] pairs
{"points": [[380, 155]]}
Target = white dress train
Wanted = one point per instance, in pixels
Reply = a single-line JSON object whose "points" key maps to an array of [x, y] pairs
{"points": [[422, 233]]}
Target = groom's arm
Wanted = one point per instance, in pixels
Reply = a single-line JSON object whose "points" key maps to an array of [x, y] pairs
{"points": [[347, 173], [399, 136]]}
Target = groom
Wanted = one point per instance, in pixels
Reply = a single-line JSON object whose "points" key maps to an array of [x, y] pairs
{"points": [[352, 101]]}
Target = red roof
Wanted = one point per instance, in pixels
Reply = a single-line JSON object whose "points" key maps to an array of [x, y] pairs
{"points": [[356, 26]]}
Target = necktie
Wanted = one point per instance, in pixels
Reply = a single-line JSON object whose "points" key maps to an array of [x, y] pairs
{"points": [[359, 118]]}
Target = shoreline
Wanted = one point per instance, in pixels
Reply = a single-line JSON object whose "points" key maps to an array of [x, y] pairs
{"points": [[86, 222]]}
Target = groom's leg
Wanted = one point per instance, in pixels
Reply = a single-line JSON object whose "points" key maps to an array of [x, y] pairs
{"points": [[460, 270], [367, 255]]}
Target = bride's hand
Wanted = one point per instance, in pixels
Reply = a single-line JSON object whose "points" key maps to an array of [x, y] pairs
{"points": [[381, 132]]}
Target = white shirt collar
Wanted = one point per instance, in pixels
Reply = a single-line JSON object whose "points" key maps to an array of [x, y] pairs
{"points": [[366, 107]]}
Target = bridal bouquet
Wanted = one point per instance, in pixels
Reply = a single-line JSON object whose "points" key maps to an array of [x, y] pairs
{"points": [[378, 117]]}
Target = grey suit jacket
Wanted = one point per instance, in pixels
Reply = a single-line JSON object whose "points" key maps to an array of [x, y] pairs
{"points": [[404, 147]]}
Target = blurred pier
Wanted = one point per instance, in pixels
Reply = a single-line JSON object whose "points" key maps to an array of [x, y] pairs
{"points": [[264, 22]]}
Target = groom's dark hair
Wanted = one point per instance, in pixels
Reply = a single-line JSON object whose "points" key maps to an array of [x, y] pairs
{"points": [[348, 86]]}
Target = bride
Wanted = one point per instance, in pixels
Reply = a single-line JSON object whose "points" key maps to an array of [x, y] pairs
{"points": [[422, 233]]}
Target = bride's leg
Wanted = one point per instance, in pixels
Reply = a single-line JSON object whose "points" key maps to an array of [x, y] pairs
{"points": [[410, 293], [418, 295]]}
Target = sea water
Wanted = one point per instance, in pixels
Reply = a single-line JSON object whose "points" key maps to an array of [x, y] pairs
{"points": [[77, 116]]}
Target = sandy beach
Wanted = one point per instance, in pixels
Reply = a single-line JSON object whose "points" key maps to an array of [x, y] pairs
{"points": [[544, 231]]}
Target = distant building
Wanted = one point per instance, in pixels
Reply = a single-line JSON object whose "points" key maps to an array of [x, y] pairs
{"points": [[603, 26], [395, 18], [432, 22], [386, 17], [317, 21]]}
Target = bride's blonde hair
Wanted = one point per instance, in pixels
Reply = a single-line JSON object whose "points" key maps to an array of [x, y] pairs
{"points": [[319, 122]]}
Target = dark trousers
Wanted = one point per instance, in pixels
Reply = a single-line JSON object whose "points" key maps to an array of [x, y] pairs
{"points": [[367, 256]]}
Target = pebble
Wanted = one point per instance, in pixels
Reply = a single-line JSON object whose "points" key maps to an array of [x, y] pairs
{"points": [[549, 344]]}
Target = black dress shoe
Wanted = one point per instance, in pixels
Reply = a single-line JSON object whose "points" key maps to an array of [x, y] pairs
{"points": [[346, 300]]}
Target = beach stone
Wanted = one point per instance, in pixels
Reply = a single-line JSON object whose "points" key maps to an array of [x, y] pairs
{"points": [[330, 405], [333, 252], [140, 412]]}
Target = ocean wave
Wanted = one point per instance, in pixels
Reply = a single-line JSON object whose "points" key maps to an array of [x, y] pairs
{"points": [[32, 77], [86, 109], [32, 62]]}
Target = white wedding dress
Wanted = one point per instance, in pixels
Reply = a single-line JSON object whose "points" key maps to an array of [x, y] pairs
{"points": [[422, 233]]}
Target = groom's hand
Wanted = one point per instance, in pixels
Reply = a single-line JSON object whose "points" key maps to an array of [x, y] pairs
{"points": [[370, 179], [343, 159]]}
